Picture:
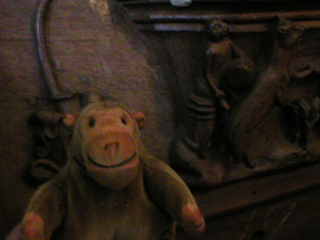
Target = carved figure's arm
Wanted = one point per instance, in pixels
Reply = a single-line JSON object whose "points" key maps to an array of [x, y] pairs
{"points": [[169, 191], [236, 51], [44, 213], [209, 76], [208, 67]]}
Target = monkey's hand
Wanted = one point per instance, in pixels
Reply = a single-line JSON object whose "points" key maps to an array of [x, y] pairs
{"points": [[192, 220], [32, 227]]}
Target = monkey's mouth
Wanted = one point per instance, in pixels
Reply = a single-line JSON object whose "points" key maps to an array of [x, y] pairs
{"points": [[116, 165]]}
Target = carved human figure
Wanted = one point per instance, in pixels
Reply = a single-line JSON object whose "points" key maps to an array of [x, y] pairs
{"points": [[271, 86], [225, 64]]}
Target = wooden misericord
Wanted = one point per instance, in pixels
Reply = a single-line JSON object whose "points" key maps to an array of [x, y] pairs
{"points": [[230, 89], [247, 75]]}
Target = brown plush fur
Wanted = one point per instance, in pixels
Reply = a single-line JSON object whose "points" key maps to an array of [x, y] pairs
{"points": [[111, 188]]}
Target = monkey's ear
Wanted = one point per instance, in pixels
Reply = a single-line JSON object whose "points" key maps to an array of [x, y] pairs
{"points": [[140, 118], [69, 120]]}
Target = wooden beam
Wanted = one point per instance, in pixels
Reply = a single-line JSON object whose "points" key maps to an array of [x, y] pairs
{"points": [[239, 195], [241, 16]]}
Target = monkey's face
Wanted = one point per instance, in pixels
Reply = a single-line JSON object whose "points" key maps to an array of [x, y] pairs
{"points": [[110, 148]]}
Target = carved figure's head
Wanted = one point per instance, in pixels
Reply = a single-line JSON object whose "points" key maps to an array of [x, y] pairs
{"points": [[216, 30], [106, 142], [289, 33]]}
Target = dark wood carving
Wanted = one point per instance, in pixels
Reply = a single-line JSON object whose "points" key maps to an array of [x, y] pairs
{"points": [[272, 83], [50, 148], [221, 133], [202, 141], [52, 132], [242, 114], [53, 125], [233, 97]]}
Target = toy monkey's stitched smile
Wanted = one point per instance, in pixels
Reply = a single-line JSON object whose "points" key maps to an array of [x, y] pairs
{"points": [[113, 166]]}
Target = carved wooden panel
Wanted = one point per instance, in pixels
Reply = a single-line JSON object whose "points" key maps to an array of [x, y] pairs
{"points": [[248, 100], [248, 105]]}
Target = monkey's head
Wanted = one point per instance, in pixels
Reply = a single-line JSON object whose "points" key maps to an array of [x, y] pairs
{"points": [[106, 142]]}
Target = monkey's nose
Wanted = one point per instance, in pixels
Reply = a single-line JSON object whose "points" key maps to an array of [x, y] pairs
{"points": [[111, 145], [112, 150]]}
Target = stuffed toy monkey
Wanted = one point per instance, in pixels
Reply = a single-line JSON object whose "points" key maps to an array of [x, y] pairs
{"points": [[110, 188]]}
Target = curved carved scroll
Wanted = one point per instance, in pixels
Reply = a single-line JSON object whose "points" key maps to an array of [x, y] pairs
{"points": [[52, 131], [52, 128]]}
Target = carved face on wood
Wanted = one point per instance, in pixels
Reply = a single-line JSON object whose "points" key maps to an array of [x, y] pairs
{"points": [[110, 143], [289, 33], [216, 30]]}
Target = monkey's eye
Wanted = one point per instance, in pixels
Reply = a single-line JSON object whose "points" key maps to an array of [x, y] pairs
{"points": [[124, 121], [92, 122]]}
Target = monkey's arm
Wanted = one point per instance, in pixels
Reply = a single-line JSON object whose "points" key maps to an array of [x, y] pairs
{"points": [[169, 191], [44, 213]]}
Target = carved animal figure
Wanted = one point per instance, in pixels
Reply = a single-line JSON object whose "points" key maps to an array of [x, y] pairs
{"points": [[272, 84], [111, 188]]}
